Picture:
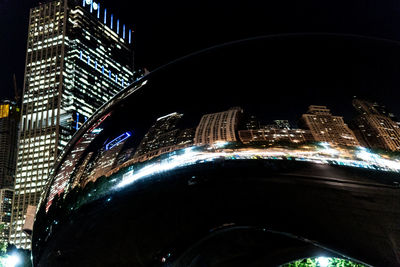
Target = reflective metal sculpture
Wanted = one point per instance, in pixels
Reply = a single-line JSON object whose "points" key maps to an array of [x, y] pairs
{"points": [[183, 169]]}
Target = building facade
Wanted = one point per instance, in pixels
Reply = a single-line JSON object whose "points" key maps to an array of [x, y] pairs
{"points": [[6, 196], [9, 119], [164, 135], [325, 127], [78, 56], [216, 127], [273, 136], [375, 127]]}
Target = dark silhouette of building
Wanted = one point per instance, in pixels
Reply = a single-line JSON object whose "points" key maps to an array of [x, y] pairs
{"points": [[9, 120]]}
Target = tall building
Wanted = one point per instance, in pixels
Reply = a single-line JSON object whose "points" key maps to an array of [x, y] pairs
{"points": [[375, 127], [215, 127], [282, 124], [78, 56], [273, 136], [163, 133], [9, 118], [6, 196], [326, 127], [163, 136]]}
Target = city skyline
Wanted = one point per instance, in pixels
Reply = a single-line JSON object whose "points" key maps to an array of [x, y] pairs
{"points": [[120, 96], [162, 38]]}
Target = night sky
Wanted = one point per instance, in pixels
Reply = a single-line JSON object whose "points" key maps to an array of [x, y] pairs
{"points": [[166, 30]]}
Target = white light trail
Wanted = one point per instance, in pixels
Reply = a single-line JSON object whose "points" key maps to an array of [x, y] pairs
{"points": [[361, 158]]}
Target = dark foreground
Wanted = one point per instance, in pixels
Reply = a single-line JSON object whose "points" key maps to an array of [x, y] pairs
{"points": [[235, 213]]}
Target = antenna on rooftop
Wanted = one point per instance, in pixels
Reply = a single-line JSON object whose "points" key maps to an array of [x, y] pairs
{"points": [[16, 95]]}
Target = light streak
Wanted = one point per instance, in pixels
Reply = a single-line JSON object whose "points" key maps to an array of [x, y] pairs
{"points": [[360, 158]]}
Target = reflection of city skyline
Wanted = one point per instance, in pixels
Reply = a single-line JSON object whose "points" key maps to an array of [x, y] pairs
{"points": [[168, 133]]}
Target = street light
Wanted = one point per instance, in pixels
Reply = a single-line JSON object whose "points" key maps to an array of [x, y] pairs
{"points": [[12, 260]]}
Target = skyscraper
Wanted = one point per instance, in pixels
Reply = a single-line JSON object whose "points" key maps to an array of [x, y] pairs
{"points": [[164, 136], [271, 136], [215, 127], [326, 127], [374, 126], [163, 133], [9, 118], [78, 56], [6, 196]]}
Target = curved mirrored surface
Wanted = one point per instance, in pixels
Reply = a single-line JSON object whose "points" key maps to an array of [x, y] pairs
{"points": [[208, 159]]}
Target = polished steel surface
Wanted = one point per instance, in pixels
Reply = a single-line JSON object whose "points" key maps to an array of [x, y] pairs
{"points": [[173, 151]]}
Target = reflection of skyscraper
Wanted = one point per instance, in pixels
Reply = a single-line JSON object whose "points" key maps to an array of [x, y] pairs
{"points": [[282, 124], [278, 133], [164, 134], [374, 126], [272, 136], [219, 126], [325, 127], [77, 58], [104, 160]]}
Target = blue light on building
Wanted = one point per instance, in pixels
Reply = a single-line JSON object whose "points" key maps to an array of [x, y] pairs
{"points": [[98, 10], [112, 18], [77, 121], [105, 16], [91, 6], [117, 26], [118, 140], [123, 31], [130, 33]]}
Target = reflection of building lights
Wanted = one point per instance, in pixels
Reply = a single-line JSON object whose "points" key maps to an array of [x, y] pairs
{"points": [[99, 122], [97, 130], [118, 140], [220, 144], [190, 156], [327, 149]]}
